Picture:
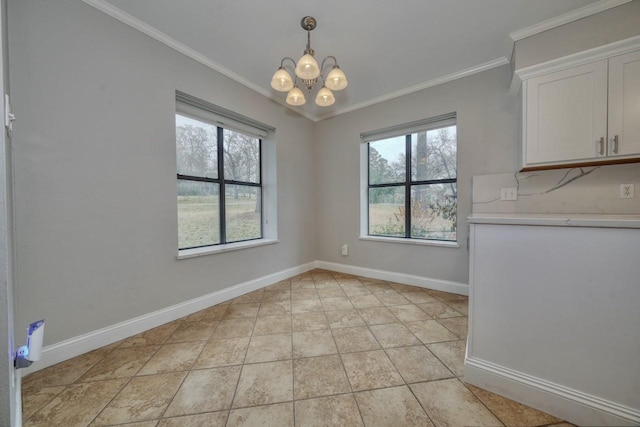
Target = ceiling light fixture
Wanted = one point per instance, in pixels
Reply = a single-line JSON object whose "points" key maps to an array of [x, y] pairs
{"points": [[307, 70]]}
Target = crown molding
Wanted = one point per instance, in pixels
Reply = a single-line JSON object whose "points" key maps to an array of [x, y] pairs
{"points": [[566, 18], [421, 86], [158, 35]]}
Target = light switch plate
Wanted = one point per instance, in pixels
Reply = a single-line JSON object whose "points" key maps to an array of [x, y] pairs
{"points": [[627, 191]]}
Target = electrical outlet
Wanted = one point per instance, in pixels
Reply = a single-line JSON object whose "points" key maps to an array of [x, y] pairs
{"points": [[627, 191], [345, 250], [509, 193]]}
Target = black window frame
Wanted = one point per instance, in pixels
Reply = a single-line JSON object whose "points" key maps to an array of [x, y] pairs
{"points": [[408, 183], [222, 183]]}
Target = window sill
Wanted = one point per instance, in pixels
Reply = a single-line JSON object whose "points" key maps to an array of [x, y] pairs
{"points": [[411, 241], [210, 250]]}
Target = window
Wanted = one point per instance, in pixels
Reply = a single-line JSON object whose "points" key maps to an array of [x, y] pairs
{"points": [[219, 173], [411, 187]]}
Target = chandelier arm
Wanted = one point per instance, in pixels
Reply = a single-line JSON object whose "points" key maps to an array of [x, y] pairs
{"points": [[290, 59]]}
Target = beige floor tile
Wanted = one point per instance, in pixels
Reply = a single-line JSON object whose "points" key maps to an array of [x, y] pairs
{"points": [[419, 297], [299, 294], [408, 313], [439, 310], [200, 330], [143, 398], [152, 423], [331, 292], [364, 301], [449, 403], [173, 358], [377, 315], [77, 405], [391, 407], [399, 287], [457, 325], [152, 337], [327, 284], [417, 364], [268, 348], [275, 308], [344, 318], [273, 296], [381, 288], [241, 311], [446, 296], [205, 390], [233, 329], [120, 363], [348, 281], [313, 343], [223, 352], [309, 322], [336, 303], [284, 285], [460, 306], [63, 373], [267, 325], [430, 331], [211, 419], [512, 414], [306, 306], [340, 410], [354, 339], [370, 369], [302, 284], [451, 354], [279, 414], [319, 376], [265, 383], [255, 296], [354, 290], [212, 313], [34, 400], [393, 299], [393, 335]]}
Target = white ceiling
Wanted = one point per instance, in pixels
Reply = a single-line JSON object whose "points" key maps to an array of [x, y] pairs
{"points": [[386, 48]]}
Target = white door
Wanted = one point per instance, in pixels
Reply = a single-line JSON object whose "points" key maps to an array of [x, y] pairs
{"points": [[624, 104], [566, 115]]}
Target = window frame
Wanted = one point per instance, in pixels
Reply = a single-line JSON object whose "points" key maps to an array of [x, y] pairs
{"points": [[225, 120], [406, 131]]}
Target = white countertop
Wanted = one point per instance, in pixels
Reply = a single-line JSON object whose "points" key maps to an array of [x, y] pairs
{"points": [[558, 220]]}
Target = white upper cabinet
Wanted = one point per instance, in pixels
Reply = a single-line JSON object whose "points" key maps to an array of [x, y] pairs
{"points": [[624, 104], [578, 113]]}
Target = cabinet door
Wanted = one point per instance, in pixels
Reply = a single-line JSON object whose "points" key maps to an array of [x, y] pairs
{"points": [[624, 104], [566, 115]]}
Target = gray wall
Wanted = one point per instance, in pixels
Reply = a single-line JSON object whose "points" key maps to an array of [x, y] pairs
{"points": [[95, 179], [487, 143], [603, 28]]}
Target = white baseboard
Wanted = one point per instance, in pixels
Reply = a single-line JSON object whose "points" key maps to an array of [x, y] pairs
{"points": [[560, 401], [81, 344], [405, 279]]}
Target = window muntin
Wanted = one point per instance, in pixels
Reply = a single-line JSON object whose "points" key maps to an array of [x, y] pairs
{"points": [[214, 161], [412, 185]]}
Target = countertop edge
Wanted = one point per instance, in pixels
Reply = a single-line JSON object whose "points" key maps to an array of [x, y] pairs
{"points": [[558, 220]]}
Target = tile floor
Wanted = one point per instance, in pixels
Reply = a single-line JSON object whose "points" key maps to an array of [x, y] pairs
{"points": [[320, 349]]}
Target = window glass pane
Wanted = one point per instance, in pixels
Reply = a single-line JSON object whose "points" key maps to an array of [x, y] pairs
{"points": [[387, 162], [241, 157], [433, 211], [196, 147], [242, 207], [198, 214], [433, 154], [387, 211]]}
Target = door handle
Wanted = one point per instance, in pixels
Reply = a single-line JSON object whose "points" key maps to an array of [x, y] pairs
{"points": [[615, 145]]}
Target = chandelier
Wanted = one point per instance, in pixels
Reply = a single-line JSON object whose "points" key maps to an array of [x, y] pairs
{"points": [[308, 71]]}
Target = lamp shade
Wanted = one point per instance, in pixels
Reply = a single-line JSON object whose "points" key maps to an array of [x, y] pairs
{"points": [[336, 79], [307, 68], [325, 97], [281, 80], [295, 97]]}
